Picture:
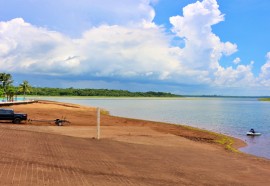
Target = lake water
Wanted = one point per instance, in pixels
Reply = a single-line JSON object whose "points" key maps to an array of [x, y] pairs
{"points": [[231, 116]]}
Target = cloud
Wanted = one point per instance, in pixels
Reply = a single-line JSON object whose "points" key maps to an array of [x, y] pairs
{"points": [[123, 44], [264, 76], [73, 17], [126, 52], [30, 49], [240, 77], [203, 49], [237, 60], [104, 51]]}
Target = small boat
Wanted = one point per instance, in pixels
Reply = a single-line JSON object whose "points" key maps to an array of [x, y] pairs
{"points": [[253, 133]]}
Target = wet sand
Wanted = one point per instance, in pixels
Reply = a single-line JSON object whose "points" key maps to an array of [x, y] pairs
{"points": [[130, 152]]}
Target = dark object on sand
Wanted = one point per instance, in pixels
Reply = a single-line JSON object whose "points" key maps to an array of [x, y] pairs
{"points": [[58, 122], [10, 115]]}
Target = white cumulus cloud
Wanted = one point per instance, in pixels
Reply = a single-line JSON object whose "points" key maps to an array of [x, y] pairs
{"points": [[237, 60], [241, 76], [124, 43], [203, 49], [265, 72], [30, 49], [104, 51]]}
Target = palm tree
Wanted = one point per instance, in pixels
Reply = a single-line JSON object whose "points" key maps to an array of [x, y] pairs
{"points": [[6, 80], [10, 92], [25, 88], [1, 92]]}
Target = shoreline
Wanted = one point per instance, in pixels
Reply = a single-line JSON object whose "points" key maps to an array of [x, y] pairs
{"points": [[192, 133], [195, 134], [127, 153], [202, 135]]}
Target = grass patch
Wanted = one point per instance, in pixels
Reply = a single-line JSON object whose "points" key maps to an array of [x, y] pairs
{"points": [[264, 99], [104, 112], [226, 141], [213, 137]]}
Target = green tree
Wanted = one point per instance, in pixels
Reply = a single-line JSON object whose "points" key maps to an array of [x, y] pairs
{"points": [[10, 93], [6, 81], [25, 88], [1, 91]]}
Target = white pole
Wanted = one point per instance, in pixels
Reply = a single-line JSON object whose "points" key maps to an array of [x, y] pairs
{"points": [[98, 123]]}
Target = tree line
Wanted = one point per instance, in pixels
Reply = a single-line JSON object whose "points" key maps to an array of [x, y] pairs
{"points": [[95, 92], [8, 91]]}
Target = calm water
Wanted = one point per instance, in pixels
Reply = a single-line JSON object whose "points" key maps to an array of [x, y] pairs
{"points": [[231, 116]]}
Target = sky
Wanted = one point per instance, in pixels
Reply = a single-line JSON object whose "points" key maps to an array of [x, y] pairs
{"points": [[206, 47]]}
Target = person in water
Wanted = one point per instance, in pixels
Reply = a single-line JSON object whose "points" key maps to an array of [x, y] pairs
{"points": [[252, 130]]}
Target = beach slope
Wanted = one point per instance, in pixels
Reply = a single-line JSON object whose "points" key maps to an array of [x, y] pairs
{"points": [[130, 152]]}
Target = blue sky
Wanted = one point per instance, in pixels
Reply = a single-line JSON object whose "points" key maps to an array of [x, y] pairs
{"points": [[217, 47]]}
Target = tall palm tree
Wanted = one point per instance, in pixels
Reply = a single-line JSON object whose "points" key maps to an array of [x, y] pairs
{"points": [[10, 92], [25, 88], [6, 81]]}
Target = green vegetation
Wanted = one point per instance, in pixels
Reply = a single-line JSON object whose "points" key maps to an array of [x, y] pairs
{"points": [[227, 142], [221, 139], [25, 88], [95, 92], [264, 99], [8, 91]]}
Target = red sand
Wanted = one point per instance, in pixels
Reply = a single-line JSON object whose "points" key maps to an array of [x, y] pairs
{"points": [[130, 152]]}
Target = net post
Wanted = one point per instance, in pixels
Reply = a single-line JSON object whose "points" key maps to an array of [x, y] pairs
{"points": [[98, 123]]}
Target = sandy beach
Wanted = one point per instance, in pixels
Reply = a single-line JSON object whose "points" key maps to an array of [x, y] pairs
{"points": [[130, 152]]}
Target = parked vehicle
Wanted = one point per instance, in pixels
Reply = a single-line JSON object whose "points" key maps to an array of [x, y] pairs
{"points": [[9, 115]]}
